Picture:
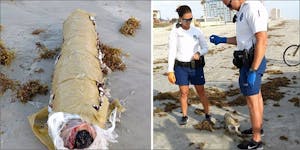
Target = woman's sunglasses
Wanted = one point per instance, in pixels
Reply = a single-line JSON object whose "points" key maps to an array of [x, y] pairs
{"points": [[187, 20], [229, 4]]}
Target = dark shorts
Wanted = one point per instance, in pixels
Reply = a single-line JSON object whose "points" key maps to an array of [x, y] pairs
{"points": [[187, 75], [244, 87]]}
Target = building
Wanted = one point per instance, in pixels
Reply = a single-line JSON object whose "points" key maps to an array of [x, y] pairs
{"points": [[275, 14], [217, 9], [156, 16]]}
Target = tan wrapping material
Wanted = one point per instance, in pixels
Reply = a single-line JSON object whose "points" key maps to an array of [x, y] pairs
{"points": [[75, 76]]}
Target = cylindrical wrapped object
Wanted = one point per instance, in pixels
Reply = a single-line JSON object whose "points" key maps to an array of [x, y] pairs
{"points": [[78, 71], [77, 84]]}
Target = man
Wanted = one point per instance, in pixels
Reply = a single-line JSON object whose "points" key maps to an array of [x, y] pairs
{"points": [[251, 36]]}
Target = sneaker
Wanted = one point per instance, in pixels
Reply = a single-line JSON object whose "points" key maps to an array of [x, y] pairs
{"points": [[249, 132], [184, 120], [251, 145]]}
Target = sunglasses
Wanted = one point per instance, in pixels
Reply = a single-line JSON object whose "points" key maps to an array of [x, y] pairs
{"points": [[187, 20], [229, 4]]}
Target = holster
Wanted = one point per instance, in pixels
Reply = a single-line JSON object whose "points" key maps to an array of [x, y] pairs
{"points": [[243, 58]]}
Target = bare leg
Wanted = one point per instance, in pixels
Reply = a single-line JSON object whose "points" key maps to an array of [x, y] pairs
{"points": [[203, 98], [254, 106], [261, 107], [184, 91]]}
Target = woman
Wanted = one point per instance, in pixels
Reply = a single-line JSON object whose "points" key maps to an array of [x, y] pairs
{"points": [[187, 47]]}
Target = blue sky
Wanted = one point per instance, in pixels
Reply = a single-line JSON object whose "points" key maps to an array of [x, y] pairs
{"points": [[289, 9]]}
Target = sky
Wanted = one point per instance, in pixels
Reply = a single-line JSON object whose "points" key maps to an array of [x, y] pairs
{"points": [[289, 8]]}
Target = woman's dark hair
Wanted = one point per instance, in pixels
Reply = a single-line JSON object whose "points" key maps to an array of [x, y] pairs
{"points": [[83, 139], [181, 10]]}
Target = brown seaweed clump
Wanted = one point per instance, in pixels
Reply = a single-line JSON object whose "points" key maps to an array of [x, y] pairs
{"points": [[113, 57], [169, 107], [270, 89], [283, 138], [199, 111], [31, 88], [45, 52], [239, 101], [159, 112], [6, 56], [204, 125], [274, 72], [6, 83], [130, 26], [37, 31], [176, 95], [296, 101]]}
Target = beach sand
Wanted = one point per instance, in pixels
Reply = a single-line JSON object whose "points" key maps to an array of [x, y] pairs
{"points": [[20, 18], [282, 121]]}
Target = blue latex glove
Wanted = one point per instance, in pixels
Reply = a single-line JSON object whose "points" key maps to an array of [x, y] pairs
{"points": [[217, 40], [251, 78]]}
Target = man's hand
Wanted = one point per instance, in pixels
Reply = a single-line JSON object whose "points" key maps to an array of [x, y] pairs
{"points": [[217, 40], [196, 56], [171, 77], [251, 77]]}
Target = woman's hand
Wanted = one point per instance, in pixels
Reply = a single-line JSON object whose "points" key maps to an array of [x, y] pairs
{"points": [[171, 77], [196, 56]]}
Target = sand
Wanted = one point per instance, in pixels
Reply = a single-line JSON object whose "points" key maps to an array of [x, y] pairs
{"points": [[278, 121], [21, 18]]}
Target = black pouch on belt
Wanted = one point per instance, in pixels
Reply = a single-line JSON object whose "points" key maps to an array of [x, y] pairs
{"points": [[248, 57], [198, 63], [238, 57], [202, 61]]}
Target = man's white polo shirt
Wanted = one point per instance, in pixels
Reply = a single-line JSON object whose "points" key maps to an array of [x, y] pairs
{"points": [[251, 18]]}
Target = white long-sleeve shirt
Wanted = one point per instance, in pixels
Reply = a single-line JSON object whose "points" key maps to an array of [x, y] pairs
{"points": [[183, 44]]}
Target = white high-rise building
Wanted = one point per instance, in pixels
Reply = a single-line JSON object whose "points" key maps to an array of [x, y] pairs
{"points": [[217, 9]]}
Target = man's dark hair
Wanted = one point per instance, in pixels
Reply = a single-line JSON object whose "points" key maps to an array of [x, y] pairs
{"points": [[83, 139], [181, 10]]}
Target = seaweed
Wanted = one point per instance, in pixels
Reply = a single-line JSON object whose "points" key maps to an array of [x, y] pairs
{"points": [[159, 112], [274, 72], [157, 68], [6, 83], [130, 26], [37, 31], [45, 52], [295, 100], [6, 56], [283, 138], [158, 61], [199, 111], [170, 106], [1, 27], [204, 125], [31, 88], [270, 89], [112, 57]]}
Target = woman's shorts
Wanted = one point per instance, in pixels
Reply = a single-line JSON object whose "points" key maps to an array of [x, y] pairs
{"points": [[187, 75]]}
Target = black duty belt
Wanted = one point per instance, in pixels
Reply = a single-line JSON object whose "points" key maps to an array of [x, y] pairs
{"points": [[192, 64]]}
